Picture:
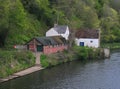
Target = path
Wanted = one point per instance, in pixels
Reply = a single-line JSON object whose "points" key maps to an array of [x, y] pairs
{"points": [[35, 68], [37, 54]]}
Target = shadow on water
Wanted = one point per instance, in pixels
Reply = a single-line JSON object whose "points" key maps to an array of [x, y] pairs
{"points": [[100, 74]]}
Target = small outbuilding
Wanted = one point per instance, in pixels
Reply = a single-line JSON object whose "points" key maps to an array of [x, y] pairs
{"points": [[59, 30], [88, 37], [47, 45]]}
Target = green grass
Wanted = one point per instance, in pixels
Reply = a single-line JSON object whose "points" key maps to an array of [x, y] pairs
{"points": [[14, 61]]}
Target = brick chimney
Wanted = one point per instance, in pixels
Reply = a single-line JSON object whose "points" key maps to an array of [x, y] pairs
{"points": [[55, 25]]}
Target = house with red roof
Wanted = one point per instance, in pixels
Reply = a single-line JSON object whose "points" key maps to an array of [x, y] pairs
{"points": [[88, 37]]}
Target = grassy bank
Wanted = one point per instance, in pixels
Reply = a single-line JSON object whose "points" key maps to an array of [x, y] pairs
{"points": [[75, 53], [111, 45], [14, 61]]}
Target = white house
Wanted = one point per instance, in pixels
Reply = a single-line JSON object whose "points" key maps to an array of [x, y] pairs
{"points": [[58, 30], [88, 37]]}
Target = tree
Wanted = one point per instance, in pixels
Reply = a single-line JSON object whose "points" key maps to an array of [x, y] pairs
{"points": [[41, 9], [4, 20], [109, 20]]}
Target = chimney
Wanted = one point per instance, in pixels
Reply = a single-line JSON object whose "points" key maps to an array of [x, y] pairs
{"points": [[55, 25], [99, 30]]}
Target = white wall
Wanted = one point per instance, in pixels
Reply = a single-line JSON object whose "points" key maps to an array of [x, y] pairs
{"points": [[87, 42], [52, 32], [66, 35]]}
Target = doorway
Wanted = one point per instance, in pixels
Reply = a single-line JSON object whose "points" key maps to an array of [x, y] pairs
{"points": [[39, 48], [81, 43]]}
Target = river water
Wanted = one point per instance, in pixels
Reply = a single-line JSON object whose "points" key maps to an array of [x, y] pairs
{"points": [[100, 74]]}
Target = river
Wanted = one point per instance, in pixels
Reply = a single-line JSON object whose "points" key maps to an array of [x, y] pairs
{"points": [[100, 74]]}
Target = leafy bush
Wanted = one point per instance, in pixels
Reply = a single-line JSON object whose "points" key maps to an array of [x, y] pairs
{"points": [[44, 60], [85, 53], [76, 53]]}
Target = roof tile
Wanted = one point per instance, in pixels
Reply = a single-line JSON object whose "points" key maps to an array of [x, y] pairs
{"points": [[87, 33]]}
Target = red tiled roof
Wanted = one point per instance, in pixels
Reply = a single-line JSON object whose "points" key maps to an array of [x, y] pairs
{"points": [[87, 33]]}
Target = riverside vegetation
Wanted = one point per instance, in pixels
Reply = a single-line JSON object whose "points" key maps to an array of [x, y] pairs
{"points": [[111, 45], [75, 53], [14, 61]]}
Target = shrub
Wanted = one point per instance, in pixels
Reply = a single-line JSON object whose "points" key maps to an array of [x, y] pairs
{"points": [[44, 61], [76, 53]]}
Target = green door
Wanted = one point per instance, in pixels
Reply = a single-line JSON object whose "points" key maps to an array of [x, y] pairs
{"points": [[39, 48]]}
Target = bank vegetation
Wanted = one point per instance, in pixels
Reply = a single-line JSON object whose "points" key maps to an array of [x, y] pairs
{"points": [[75, 53], [14, 61]]}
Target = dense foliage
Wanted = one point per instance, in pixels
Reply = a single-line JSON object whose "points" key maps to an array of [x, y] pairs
{"points": [[75, 53], [20, 20], [111, 45], [14, 61]]}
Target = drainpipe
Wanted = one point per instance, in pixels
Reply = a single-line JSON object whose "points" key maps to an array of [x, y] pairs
{"points": [[99, 30]]}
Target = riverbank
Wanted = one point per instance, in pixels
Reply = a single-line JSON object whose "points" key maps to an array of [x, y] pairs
{"points": [[25, 71], [93, 74], [21, 73], [74, 53], [14, 61]]}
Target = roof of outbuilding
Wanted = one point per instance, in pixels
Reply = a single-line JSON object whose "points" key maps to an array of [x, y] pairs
{"points": [[46, 40], [60, 29], [53, 40], [59, 39], [87, 33]]}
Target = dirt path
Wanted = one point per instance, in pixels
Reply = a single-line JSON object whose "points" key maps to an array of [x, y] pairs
{"points": [[37, 58]]}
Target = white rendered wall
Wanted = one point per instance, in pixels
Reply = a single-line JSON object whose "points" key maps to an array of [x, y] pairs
{"points": [[52, 32], [66, 35], [88, 42]]}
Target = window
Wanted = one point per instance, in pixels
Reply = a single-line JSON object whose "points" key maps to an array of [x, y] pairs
{"points": [[91, 41]]}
